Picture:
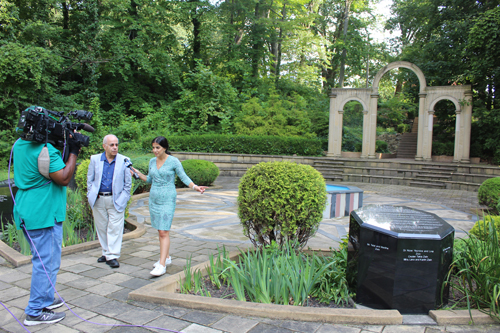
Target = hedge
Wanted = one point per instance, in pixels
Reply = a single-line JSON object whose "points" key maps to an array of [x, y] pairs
{"points": [[241, 144]]}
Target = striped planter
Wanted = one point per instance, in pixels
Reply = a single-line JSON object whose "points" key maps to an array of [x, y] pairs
{"points": [[342, 200]]}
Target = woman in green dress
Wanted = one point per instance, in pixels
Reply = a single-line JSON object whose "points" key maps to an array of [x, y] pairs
{"points": [[162, 196]]}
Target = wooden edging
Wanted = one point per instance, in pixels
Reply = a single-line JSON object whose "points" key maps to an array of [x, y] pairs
{"points": [[163, 292], [17, 259]]}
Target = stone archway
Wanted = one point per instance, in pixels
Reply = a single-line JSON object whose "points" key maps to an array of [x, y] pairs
{"points": [[461, 96], [338, 99]]}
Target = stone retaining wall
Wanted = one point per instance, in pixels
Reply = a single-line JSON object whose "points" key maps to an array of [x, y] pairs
{"points": [[384, 170]]}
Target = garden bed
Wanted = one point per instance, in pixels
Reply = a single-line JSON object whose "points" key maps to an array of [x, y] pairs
{"points": [[81, 234], [227, 292], [135, 230], [164, 292]]}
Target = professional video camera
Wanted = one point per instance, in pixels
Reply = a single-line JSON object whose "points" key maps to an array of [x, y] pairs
{"points": [[45, 126]]}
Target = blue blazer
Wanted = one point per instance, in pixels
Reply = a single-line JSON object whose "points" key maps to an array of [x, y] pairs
{"points": [[122, 181]]}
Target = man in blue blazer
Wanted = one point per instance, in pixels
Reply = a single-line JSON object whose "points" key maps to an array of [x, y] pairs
{"points": [[108, 191]]}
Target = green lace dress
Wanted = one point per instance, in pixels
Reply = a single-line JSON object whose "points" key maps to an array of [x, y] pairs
{"points": [[162, 195]]}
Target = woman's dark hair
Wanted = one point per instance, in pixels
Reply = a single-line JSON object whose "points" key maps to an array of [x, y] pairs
{"points": [[162, 141]]}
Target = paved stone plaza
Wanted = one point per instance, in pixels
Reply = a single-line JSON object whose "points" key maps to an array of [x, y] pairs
{"points": [[99, 293]]}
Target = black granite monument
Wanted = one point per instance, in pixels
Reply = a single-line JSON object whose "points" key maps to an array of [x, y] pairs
{"points": [[398, 258]]}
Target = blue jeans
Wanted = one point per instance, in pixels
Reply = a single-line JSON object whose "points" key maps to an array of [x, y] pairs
{"points": [[48, 242]]}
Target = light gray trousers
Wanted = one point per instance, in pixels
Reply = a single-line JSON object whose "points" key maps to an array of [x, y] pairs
{"points": [[109, 225]]}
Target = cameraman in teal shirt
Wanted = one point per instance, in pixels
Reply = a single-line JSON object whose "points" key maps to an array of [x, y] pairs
{"points": [[40, 209]]}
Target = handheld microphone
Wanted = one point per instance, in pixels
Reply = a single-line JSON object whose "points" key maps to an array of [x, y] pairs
{"points": [[128, 164]]}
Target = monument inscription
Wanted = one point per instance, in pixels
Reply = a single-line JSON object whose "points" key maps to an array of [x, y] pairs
{"points": [[398, 257]]}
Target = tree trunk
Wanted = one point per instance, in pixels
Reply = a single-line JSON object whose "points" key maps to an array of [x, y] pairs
{"points": [[133, 13], [399, 87], [196, 37], [65, 15], [344, 51], [278, 62], [276, 46], [257, 43]]}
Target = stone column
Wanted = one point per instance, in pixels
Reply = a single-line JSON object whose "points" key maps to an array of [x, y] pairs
{"points": [[457, 154], [372, 135], [332, 129], [466, 130], [366, 136], [421, 126], [331, 123], [427, 146], [338, 135]]}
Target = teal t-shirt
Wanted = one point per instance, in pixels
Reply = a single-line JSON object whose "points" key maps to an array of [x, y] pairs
{"points": [[38, 204]]}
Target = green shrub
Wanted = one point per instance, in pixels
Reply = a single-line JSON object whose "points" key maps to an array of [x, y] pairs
{"points": [[201, 172], [81, 183], [476, 149], [241, 144], [443, 148], [75, 220], [489, 192], [481, 228], [403, 128], [332, 285], [279, 201], [382, 130], [474, 275], [381, 146], [496, 157], [81, 176], [459, 246], [352, 138]]}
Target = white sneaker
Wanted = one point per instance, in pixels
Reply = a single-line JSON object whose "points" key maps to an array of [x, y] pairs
{"points": [[158, 270], [168, 261]]}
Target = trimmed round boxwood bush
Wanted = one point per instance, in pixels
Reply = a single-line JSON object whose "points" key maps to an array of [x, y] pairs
{"points": [[280, 201], [201, 172], [481, 228], [489, 192]]}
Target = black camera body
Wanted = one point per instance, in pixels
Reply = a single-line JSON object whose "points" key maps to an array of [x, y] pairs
{"points": [[42, 125]]}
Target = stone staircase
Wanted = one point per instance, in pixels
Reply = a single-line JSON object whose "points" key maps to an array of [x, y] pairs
{"points": [[434, 176], [408, 144], [331, 170]]}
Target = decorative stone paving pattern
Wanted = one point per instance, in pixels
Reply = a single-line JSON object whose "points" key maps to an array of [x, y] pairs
{"points": [[201, 224]]}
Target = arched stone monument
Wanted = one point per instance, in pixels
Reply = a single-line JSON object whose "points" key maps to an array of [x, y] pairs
{"points": [[460, 96]]}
